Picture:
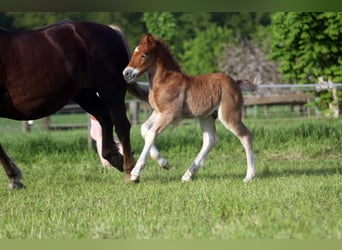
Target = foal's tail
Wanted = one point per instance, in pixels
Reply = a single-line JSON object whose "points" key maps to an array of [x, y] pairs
{"points": [[247, 85]]}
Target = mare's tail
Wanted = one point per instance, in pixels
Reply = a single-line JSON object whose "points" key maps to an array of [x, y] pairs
{"points": [[247, 85], [132, 88], [137, 91]]}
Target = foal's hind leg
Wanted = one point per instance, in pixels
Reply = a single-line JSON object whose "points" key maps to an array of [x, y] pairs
{"points": [[154, 152], [234, 124], [209, 140], [13, 172]]}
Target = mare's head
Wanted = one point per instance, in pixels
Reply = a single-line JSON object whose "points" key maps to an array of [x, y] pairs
{"points": [[143, 58]]}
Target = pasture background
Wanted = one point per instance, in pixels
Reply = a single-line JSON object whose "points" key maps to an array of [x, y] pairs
{"points": [[297, 193]]}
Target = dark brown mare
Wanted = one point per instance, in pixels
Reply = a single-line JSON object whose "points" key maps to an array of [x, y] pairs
{"points": [[175, 95], [41, 70]]}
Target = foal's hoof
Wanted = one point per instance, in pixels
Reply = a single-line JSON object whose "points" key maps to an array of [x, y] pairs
{"points": [[248, 178], [135, 178], [187, 176], [164, 164], [16, 185]]}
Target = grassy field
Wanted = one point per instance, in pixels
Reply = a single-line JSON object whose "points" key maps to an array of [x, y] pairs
{"points": [[297, 192]]}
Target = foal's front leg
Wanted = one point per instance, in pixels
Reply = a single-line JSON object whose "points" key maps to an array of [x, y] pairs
{"points": [[154, 152], [161, 122]]}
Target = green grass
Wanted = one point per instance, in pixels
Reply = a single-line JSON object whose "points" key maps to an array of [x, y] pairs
{"points": [[297, 192]]}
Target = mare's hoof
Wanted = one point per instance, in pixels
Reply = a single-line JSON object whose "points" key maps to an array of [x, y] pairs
{"points": [[127, 178], [16, 185], [117, 162]]}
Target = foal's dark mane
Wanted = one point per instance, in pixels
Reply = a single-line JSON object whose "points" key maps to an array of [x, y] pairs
{"points": [[166, 56]]}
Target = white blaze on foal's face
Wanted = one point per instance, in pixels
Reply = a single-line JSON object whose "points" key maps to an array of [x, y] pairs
{"points": [[136, 49]]}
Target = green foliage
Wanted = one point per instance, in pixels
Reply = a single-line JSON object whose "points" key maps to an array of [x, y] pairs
{"points": [[161, 24], [179, 29], [242, 24], [201, 54], [308, 45]]}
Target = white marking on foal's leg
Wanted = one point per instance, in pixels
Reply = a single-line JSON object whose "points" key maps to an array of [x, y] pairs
{"points": [[247, 142], [141, 162], [155, 155], [158, 122], [251, 171], [154, 152], [209, 140]]}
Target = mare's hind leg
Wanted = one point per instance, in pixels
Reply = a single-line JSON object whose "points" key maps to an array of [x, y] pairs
{"points": [[209, 140], [91, 103], [154, 152], [233, 123], [13, 172], [122, 129]]}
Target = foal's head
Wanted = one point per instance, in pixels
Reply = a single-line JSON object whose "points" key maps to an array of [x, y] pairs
{"points": [[145, 56], [142, 58]]}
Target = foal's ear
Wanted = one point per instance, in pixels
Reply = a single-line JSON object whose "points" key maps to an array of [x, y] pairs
{"points": [[150, 40]]}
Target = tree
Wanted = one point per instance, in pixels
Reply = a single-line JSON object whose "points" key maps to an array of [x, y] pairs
{"points": [[248, 60], [242, 24], [202, 53], [161, 24], [308, 45], [5, 20]]}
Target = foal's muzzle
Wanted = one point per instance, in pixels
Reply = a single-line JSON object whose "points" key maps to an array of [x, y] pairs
{"points": [[130, 74]]}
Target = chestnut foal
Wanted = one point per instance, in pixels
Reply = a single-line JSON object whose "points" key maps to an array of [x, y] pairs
{"points": [[174, 95]]}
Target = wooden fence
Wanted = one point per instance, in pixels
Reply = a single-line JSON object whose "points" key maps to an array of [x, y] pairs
{"points": [[267, 95]]}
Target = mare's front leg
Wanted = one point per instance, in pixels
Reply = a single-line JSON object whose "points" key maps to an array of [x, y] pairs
{"points": [[12, 171], [161, 122], [154, 152], [122, 129]]}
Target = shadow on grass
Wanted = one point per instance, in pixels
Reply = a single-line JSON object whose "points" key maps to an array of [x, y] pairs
{"points": [[162, 177], [267, 173]]}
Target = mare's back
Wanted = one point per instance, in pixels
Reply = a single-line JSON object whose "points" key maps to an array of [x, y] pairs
{"points": [[40, 70]]}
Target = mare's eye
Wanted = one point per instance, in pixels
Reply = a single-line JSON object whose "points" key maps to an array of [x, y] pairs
{"points": [[144, 55]]}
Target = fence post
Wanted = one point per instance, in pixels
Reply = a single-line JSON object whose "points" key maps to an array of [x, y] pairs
{"points": [[133, 107], [26, 126], [46, 122], [335, 103], [90, 140]]}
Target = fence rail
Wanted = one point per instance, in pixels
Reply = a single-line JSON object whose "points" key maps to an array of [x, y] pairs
{"points": [[267, 95]]}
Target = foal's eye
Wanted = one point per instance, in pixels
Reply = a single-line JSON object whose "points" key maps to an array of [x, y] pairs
{"points": [[144, 55]]}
